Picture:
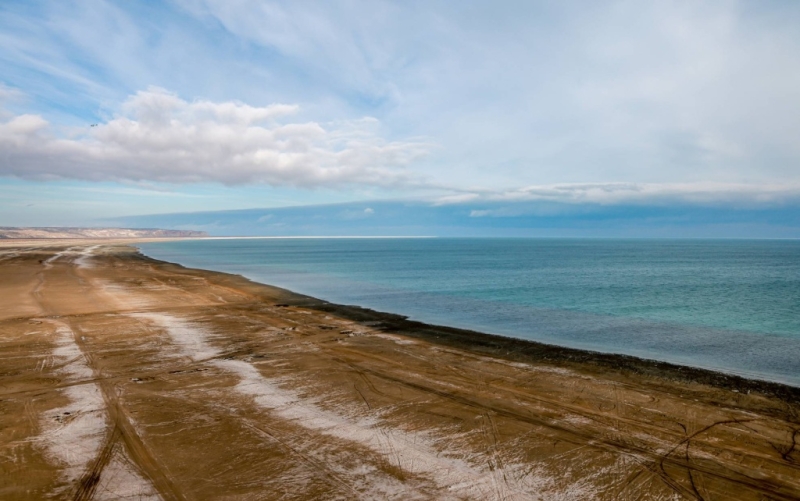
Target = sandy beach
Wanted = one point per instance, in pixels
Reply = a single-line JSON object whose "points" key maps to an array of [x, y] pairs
{"points": [[122, 377]]}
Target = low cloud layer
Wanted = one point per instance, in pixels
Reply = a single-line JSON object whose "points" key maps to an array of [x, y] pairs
{"points": [[637, 194], [160, 137], [485, 219]]}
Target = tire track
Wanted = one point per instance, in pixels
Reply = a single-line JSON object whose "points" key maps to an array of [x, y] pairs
{"points": [[599, 442], [414, 455], [100, 396]]}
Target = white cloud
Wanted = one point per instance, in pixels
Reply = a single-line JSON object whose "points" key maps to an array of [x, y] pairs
{"points": [[556, 92], [160, 137]]}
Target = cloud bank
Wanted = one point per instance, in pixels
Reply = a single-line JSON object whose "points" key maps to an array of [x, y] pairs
{"points": [[484, 219], [160, 137], [717, 194]]}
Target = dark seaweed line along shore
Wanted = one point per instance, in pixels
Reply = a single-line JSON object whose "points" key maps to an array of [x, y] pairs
{"points": [[523, 350]]}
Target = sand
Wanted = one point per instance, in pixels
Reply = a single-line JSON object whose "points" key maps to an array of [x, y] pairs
{"points": [[123, 377]]}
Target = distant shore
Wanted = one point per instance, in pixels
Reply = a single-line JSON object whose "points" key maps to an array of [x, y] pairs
{"points": [[61, 232], [10, 243], [162, 374]]}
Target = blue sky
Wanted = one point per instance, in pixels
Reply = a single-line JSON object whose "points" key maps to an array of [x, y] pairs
{"points": [[490, 109]]}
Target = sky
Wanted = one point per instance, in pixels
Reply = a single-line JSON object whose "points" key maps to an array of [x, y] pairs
{"points": [[665, 118]]}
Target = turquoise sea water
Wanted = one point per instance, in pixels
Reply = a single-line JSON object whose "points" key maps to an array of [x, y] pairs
{"points": [[726, 305]]}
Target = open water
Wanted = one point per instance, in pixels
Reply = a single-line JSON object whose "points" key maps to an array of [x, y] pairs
{"points": [[729, 305]]}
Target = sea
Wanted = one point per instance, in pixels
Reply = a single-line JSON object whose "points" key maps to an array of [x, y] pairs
{"points": [[726, 305]]}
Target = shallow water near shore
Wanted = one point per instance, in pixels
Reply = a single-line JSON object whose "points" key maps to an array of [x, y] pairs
{"points": [[727, 305]]}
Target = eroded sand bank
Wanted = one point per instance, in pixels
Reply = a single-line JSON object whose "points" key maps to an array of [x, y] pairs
{"points": [[127, 378]]}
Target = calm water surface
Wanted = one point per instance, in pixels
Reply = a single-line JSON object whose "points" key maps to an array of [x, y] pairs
{"points": [[726, 305]]}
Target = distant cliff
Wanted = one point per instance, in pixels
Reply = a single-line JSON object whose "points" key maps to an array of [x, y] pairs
{"points": [[68, 232]]}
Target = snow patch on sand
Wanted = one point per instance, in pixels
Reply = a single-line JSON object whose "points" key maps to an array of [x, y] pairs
{"points": [[48, 263], [396, 339], [556, 370], [123, 296], [6, 255], [73, 434], [83, 256], [190, 340], [80, 261], [414, 453], [120, 480]]}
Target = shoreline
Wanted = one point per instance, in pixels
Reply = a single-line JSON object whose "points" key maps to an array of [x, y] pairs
{"points": [[523, 350], [128, 377]]}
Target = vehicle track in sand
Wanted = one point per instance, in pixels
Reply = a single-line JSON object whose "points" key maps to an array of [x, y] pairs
{"points": [[656, 463], [120, 431]]}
